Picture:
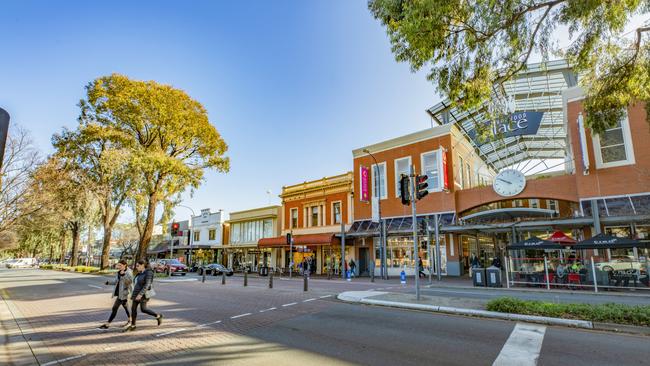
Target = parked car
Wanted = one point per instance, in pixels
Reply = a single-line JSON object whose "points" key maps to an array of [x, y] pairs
{"points": [[172, 265], [23, 263], [215, 269], [6, 262], [620, 264]]}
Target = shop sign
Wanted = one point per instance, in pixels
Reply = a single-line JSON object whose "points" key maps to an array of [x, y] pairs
{"points": [[517, 124], [365, 191]]}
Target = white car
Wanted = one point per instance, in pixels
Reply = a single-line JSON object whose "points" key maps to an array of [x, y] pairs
{"points": [[22, 263], [620, 264]]}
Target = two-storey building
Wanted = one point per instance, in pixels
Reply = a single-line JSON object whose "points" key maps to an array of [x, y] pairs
{"points": [[246, 228]]}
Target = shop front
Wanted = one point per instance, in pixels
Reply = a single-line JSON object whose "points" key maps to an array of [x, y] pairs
{"points": [[320, 250]]}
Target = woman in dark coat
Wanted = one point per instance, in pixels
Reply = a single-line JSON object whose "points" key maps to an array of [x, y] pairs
{"points": [[142, 293]]}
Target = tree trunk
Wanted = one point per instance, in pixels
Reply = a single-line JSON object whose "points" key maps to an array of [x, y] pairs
{"points": [[75, 244], [62, 259], [110, 217], [145, 237], [106, 246]]}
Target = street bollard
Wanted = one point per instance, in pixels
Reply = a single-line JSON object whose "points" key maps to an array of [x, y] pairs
{"points": [[223, 278], [245, 278], [305, 283], [203, 275], [271, 279], [329, 274], [372, 276]]}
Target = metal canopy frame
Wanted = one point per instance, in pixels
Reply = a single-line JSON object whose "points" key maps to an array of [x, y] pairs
{"points": [[539, 88]]}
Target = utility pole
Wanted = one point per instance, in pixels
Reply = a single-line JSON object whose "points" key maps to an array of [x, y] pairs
{"points": [[438, 259]]}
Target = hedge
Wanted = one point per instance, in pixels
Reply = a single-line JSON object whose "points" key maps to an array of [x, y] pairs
{"points": [[605, 313], [61, 267]]}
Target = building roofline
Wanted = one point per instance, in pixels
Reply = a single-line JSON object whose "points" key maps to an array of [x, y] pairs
{"points": [[408, 139]]}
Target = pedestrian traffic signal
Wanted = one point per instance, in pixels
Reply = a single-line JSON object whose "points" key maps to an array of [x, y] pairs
{"points": [[404, 190], [175, 227], [421, 186]]}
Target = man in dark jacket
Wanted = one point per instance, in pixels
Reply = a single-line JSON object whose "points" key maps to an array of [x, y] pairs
{"points": [[142, 293]]}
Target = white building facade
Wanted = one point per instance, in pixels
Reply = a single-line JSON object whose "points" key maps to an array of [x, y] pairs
{"points": [[207, 229]]}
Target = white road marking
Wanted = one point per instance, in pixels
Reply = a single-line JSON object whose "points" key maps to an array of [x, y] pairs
{"points": [[240, 315], [265, 310], [523, 346], [99, 287], [308, 300], [120, 346], [290, 304], [217, 322], [170, 332], [323, 297], [63, 360]]}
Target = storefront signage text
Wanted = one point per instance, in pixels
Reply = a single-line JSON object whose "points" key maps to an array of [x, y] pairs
{"points": [[517, 124]]}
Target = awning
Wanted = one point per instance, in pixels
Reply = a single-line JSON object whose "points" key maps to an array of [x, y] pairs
{"points": [[562, 238], [534, 243], [607, 241], [306, 239]]}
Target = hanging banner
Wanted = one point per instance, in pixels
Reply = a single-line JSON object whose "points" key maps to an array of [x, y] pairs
{"points": [[365, 178], [442, 168]]}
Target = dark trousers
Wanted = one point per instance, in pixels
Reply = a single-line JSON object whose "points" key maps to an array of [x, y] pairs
{"points": [[116, 306], [143, 308]]}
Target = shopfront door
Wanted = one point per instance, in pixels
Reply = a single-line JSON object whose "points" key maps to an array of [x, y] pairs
{"points": [[364, 258]]}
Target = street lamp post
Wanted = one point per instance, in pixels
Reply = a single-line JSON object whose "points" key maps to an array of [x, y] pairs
{"points": [[382, 241]]}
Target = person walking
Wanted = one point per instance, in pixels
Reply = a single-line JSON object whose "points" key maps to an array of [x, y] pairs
{"points": [[122, 283], [337, 265], [421, 268], [352, 267], [142, 293]]}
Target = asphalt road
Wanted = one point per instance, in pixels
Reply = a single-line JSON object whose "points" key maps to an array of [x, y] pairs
{"points": [[207, 323]]}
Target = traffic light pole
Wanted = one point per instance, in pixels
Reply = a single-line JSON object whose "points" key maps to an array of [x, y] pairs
{"points": [[438, 259], [416, 257]]}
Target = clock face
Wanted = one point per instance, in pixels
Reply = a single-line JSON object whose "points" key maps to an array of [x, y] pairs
{"points": [[509, 182]]}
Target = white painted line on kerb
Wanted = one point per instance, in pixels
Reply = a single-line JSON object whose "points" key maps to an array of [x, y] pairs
{"points": [[170, 332], [265, 310], [240, 315], [63, 360], [523, 346], [323, 297], [290, 304], [93, 286], [308, 300]]}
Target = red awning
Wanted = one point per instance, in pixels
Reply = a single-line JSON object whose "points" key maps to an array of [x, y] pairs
{"points": [[562, 238], [307, 239]]}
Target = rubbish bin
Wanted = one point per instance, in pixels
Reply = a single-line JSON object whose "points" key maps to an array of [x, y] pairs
{"points": [[264, 271], [493, 276], [478, 276]]}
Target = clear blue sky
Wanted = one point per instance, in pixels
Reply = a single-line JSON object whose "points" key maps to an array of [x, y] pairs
{"points": [[292, 86]]}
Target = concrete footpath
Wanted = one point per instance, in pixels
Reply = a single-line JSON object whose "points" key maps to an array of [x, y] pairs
{"points": [[471, 307], [14, 347]]}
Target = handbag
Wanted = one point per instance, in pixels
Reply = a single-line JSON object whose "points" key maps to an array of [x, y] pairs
{"points": [[150, 293]]}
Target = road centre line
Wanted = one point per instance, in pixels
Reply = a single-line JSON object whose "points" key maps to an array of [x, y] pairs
{"points": [[308, 300], [170, 332], [325, 296], [63, 360], [99, 287], [269, 309], [523, 346], [290, 304], [240, 315]]}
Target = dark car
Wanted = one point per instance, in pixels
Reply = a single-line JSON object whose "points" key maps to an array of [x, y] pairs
{"points": [[215, 269], [172, 265]]}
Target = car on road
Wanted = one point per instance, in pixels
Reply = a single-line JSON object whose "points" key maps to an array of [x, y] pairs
{"points": [[621, 263], [171, 265], [22, 263], [215, 269]]}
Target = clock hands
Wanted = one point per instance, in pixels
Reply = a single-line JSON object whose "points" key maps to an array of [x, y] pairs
{"points": [[503, 180]]}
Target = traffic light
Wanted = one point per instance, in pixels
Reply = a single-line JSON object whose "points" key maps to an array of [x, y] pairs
{"points": [[175, 227], [421, 186], [288, 238], [405, 191]]}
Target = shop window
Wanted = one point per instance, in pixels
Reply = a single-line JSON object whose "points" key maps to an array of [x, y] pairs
{"points": [[430, 168], [294, 218], [614, 146], [402, 166], [533, 202], [336, 212], [212, 234], [379, 180], [518, 203], [314, 216], [197, 235], [552, 205]]}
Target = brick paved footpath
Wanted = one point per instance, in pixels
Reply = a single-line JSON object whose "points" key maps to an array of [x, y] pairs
{"points": [[64, 309]]}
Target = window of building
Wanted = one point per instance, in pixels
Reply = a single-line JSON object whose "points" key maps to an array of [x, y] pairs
{"points": [[469, 176], [533, 202], [314, 216], [336, 212], [552, 205], [460, 178], [518, 203], [235, 233], [379, 178], [614, 146], [294, 218], [402, 166], [430, 168], [267, 231], [197, 235], [212, 234]]}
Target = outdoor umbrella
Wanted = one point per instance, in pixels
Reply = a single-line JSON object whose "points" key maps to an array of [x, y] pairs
{"points": [[607, 241], [561, 238], [534, 243]]}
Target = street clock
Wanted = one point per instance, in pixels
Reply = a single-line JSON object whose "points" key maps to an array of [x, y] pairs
{"points": [[509, 182]]}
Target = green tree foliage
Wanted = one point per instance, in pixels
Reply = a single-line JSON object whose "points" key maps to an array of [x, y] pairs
{"points": [[472, 45], [168, 135]]}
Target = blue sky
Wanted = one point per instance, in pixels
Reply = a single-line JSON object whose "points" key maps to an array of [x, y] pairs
{"points": [[292, 86]]}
